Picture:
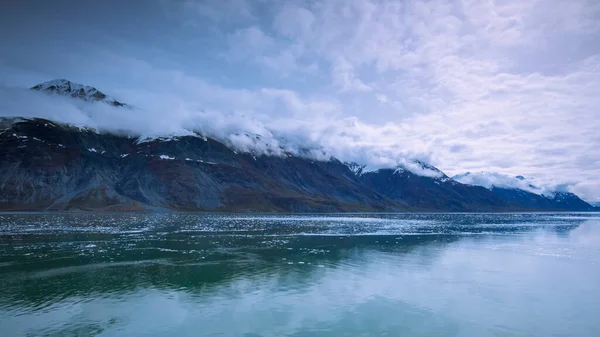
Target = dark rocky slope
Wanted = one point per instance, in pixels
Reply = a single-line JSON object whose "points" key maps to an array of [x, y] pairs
{"points": [[430, 193], [48, 166], [45, 165], [561, 201]]}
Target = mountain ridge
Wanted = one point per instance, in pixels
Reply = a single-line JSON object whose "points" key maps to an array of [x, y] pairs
{"points": [[46, 165]]}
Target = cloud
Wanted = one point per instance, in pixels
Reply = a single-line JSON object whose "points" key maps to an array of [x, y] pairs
{"points": [[344, 78], [19, 102], [493, 179], [293, 21], [215, 12], [505, 86], [382, 98], [250, 40], [319, 137]]}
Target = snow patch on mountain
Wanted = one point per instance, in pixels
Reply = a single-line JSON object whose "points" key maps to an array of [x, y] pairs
{"points": [[420, 168], [360, 169], [356, 168], [423, 169], [172, 137]]}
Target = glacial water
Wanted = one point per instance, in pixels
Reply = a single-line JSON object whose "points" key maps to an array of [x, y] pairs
{"points": [[188, 274]]}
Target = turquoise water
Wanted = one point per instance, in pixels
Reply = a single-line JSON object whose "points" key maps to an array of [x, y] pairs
{"points": [[138, 274]]}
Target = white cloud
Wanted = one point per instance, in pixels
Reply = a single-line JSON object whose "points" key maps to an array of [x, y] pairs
{"points": [[493, 179]]}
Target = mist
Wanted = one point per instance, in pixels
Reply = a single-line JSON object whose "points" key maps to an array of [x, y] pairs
{"points": [[346, 139], [493, 179]]}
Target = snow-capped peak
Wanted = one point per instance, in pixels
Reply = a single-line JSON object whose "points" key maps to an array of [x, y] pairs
{"points": [[422, 169], [68, 88], [410, 165]]}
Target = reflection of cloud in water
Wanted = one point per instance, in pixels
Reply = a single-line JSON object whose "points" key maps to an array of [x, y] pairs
{"points": [[196, 283]]}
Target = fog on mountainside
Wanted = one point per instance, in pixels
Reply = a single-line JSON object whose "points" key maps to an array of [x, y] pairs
{"points": [[346, 139]]}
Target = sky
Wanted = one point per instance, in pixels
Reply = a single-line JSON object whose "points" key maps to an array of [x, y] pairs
{"points": [[506, 86]]}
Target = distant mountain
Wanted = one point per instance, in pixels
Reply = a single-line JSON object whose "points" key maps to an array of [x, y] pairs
{"points": [[519, 192], [45, 165], [430, 192], [497, 180], [68, 88]]}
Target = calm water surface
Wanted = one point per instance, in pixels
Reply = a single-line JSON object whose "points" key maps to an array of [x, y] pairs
{"points": [[138, 274]]}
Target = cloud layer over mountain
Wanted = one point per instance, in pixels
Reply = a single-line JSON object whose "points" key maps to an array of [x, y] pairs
{"points": [[504, 86], [345, 139], [493, 179]]}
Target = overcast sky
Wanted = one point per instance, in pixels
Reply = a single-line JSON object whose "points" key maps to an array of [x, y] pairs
{"points": [[508, 86]]}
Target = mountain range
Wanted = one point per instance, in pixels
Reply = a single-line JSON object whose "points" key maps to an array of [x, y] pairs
{"points": [[46, 165]]}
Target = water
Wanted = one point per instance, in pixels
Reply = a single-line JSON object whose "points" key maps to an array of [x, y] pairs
{"points": [[142, 274]]}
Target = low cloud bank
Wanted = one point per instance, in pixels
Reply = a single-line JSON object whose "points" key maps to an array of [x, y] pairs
{"points": [[492, 179], [345, 139]]}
